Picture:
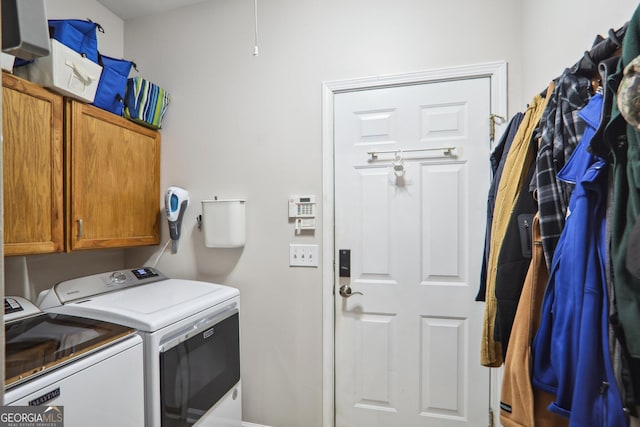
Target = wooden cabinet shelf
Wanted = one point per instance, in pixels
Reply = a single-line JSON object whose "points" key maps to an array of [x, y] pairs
{"points": [[75, 176]]}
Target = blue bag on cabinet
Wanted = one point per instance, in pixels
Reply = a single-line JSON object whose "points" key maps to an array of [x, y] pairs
{"points": [[113, 83], [80, 35]]}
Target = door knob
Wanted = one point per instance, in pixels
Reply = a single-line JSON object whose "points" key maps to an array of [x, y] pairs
{"points": [[345, 291]]}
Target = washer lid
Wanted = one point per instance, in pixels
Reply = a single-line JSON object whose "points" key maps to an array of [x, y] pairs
{"points": [[37, 344], [152, 306]]}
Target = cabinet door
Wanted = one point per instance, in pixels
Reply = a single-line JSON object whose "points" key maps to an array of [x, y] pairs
{"points": [[113, 180], [32, 127]]}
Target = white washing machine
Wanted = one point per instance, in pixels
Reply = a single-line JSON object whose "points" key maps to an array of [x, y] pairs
{"points": [[191, 339], [90, 368]]}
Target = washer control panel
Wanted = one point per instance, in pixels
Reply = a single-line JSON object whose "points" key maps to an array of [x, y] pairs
{"points": [[11, 305], [145, 273], [18, 308], [88, 286]]}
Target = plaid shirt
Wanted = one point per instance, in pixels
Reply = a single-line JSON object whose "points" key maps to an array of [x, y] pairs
{"points": [[562, 130]]}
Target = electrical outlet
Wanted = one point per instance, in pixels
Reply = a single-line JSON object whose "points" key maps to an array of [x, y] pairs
{"points": [[303, 255]]}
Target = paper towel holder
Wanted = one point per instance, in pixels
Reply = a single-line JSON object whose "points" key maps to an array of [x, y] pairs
{"points": [[223, 222]]}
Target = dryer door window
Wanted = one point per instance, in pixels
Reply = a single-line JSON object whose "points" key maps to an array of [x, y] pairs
{"points": [[197, 372]]}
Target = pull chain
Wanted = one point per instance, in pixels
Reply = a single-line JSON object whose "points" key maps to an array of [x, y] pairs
{"points": [[255, 20]]}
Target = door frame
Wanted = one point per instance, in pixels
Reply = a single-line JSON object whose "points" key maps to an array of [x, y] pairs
{"points": [[497, 72]]}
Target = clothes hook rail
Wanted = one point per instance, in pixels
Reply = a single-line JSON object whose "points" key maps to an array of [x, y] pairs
{"points": [[446, 151]]}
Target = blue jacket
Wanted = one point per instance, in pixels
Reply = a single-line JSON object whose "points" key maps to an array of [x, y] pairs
{"points": [[571, 348]]}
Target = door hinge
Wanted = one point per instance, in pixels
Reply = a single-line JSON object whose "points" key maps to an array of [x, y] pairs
{"points": [[491, 422], [333, 285]]}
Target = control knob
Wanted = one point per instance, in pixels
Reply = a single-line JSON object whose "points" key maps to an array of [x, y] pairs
{"points": [[117, 277]]}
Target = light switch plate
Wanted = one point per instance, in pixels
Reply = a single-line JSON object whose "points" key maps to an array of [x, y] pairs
{"points": [[303, 255]]}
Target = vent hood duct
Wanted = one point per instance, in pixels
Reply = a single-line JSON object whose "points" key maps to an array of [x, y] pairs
{"points": [[25, 31]]}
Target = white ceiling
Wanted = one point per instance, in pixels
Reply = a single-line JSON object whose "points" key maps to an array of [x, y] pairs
{"points": [[127, 9]]}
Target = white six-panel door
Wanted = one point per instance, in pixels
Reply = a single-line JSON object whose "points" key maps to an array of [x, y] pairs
{"points": [[407, 349]]}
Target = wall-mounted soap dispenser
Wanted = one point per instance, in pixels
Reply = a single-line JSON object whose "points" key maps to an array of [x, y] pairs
{"points": [[224, 223]]}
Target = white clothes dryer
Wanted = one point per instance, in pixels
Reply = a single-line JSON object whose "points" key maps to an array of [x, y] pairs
{"points": [[191, 339]]}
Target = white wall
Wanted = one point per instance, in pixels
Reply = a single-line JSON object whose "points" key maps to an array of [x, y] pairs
{"points": [[249, 127], [111, 42], [557, 33]]}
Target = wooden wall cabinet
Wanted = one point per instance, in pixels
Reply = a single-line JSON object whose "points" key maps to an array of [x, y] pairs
{"points": [[75, 176], [32, 172], [113, 180]]}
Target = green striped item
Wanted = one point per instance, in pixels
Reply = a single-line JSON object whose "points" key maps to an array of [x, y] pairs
{"points": [[145, 102]]}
